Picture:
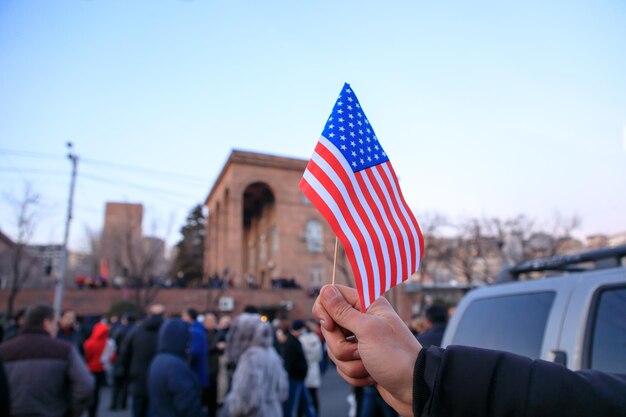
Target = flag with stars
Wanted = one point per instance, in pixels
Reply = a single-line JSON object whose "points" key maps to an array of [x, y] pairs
{"points": [[350, 180]]}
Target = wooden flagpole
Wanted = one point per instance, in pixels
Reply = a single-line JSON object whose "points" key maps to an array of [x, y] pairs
{"points": [[335, 261]]}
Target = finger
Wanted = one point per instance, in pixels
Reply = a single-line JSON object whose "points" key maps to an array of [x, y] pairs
{"points": [[357, 382], [351, 368], [339, 345], [341, 304], [321, 315]]}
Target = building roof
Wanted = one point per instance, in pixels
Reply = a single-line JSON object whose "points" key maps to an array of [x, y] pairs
{"points": [[259, 159]]}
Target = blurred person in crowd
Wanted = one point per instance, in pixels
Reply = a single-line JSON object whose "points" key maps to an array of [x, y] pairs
{"points": [[139, 350], [47, 376], [173, 386], [296, 365], [69, 330], [459, 380], [198, 347], [213, 355], [119, 389], [16, 325], [417, 325], [260, 383], [436, 321], [225, 369], [99, 350], [312, 347]]}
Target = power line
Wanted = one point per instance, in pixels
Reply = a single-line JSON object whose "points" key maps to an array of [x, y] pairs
{"points": [[168, 174]]}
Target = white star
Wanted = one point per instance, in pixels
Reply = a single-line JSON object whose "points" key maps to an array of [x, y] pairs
{"points": [[342, 137], [376, 155], [353, 164], [369, 149], [350, 99], [358, 105], [352, 143], [351, 116], [352, 134], [368, 139], [331, 126], [359, 114], [340, 111], [362, 161], [348, 90], [351, 124], [375, 138], [361, 141], [368, 130], [330, 119], [349, 107], [344, 147], [331, 134], [341, 120], [339, 103], [353, 153], [359, 122], [360, 131], [361, 151], [384, 154], [376, 147], [367, 122], [341, 128], [369, 159]]}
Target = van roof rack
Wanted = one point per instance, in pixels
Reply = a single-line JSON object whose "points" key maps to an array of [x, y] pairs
{"points": [[601, 258]]}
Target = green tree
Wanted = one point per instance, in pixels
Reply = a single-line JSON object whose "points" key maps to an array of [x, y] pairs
{"points": [[189, 258]]}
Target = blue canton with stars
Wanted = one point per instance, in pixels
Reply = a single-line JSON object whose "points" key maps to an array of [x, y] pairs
{"points": [[350, 131]]}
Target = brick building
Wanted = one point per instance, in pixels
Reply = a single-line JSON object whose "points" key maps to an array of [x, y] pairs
{"points": [[261, 231]]}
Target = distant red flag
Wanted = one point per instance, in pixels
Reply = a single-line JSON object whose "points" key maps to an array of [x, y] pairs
{"points": [[104, 268], [350, 180]]}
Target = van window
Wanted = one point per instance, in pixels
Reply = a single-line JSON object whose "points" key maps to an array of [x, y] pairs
{"points": [[608, 343], [513, 323]]}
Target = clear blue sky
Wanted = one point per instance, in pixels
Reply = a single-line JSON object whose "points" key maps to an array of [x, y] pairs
{"points": [[485, 108]]}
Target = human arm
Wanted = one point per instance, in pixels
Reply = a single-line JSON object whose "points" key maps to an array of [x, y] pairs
{"points": [[81, 380], [384, 353], [466, 381]]}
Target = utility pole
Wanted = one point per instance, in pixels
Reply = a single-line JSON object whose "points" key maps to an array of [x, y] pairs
{"points": [[58, 293]]}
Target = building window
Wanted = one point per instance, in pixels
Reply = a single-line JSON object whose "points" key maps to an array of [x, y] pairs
{"points": [[316, 276], [314, 236]]}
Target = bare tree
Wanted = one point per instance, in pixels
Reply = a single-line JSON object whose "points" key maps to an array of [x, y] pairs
{"points": [[21, 263]]}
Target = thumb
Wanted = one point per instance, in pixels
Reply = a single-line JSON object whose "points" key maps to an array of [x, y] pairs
{"points": [[338, 308]]}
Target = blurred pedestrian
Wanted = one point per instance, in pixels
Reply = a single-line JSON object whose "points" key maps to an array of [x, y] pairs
{"points": [[13, 330], [198, 351], [225, 369], [213, 355], [173, 386], [69, 329], [312, 347], [296, 366], [47, 376], [140, 350], [436, 321], [260, 384], [119, 389], [99, 350]]}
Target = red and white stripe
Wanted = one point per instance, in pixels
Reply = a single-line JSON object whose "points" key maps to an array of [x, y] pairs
{"points": [[369, 215]]}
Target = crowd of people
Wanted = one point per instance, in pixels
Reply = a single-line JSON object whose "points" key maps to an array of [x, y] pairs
{"points": [[166, 364]]}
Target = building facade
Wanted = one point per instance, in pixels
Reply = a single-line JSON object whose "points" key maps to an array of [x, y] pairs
{"points": [[262, 232]]}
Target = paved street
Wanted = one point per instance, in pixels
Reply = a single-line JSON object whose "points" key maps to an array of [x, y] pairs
{"points": [[332, 396]]}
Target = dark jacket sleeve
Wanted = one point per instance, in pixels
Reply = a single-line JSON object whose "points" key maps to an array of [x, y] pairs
{"points": [[5, 396], [465, 381]]}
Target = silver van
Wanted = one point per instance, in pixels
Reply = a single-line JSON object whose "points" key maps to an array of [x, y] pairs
{"points": [[577, 318]]}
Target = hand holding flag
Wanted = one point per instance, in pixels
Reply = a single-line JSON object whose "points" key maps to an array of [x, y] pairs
{"points": [[350, 180]]}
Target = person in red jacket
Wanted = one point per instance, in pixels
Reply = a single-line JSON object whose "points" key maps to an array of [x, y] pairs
{"points": [[98, 351]]}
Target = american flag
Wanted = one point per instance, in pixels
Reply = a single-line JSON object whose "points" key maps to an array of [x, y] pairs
{"points": [[350, 180]]}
